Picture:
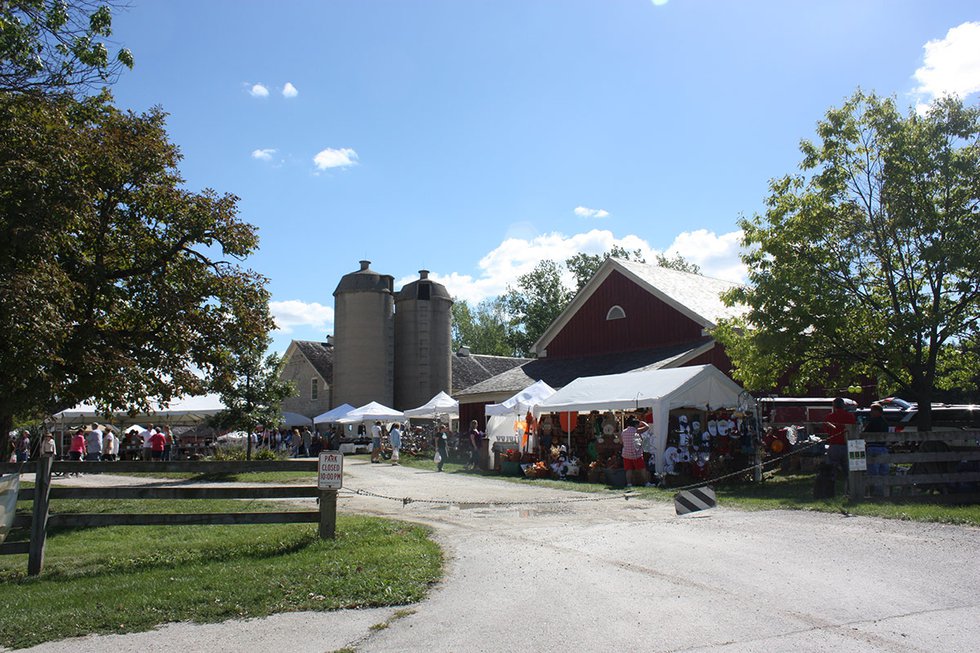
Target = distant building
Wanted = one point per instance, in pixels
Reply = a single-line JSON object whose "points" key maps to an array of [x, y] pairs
{"points": [[309, 365], [393, 348], [628, 317]]}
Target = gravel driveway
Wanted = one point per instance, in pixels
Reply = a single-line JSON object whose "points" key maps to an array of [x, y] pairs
{"points": [[559, 574]]}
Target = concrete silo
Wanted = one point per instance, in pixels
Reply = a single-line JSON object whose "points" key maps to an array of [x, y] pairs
{"points": [[423, 342], [364, 338]]}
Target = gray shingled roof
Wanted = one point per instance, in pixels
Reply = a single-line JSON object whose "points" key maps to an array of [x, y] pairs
{"points": [[558, 372], [699, 294], [471, 369], [320, 356]]}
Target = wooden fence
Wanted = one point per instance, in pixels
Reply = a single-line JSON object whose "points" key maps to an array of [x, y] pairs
{"points": [[928, 465], [43, 491]]}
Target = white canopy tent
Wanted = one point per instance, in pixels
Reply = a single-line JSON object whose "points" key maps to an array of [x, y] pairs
{"points": [[296, 419], [441, 404], [333, 415], [371, 412], [184, 411], [523, 401], [659, 390], [504, 417]]}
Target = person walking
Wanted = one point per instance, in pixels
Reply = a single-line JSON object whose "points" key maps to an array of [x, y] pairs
{"points": [[307, 441], [93, 444], [476, 443], [376, 442], [109, 445], [48, 447], [442, 444], [395, 438], [24, 447], [77, 449]]}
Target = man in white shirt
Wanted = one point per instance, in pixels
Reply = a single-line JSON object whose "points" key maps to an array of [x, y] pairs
{"points": [[93, 443], [147, 446]]}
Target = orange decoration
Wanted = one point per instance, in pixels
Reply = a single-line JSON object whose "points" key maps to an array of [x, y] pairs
{"points": [[567, 421]]}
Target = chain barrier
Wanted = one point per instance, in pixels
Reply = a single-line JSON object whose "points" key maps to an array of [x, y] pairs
{"points": [[494, 503], [612, 497]]}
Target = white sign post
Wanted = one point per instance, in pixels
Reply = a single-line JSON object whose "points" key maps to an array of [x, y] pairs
{"points": [[330, 478]]}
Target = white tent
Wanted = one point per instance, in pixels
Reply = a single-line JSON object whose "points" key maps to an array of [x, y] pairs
{"points": [[659, 390], [184, 411], [296, 419], [371, 412], [504, 418], [333, 414], [441, 404], [523, 401]]}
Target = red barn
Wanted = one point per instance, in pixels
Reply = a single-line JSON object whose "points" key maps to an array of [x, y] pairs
{"points": [[629, 316]]}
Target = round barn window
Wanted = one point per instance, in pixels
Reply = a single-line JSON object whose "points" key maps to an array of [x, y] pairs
{"points": [[616, 313]]}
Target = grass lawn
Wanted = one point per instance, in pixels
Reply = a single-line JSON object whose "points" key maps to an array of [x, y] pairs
{"points": [[775, 493], [128, 578]]}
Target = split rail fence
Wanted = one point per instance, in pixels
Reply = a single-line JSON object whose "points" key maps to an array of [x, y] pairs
{"points": [[44, 491], [941, 466]]}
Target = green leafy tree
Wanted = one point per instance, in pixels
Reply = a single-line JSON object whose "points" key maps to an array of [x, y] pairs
{"points": [[539, 297], [584, 266], [116, 283], [483, 328], [865, 263], [678, 262], [251, 390], [57, 45]]}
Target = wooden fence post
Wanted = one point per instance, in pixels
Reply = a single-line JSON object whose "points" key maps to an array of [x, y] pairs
{"points": [[328, 514], [855, 479], [39, 524]]}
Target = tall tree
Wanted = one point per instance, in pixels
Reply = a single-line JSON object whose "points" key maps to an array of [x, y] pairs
{"points": [[584, 266], [483, 328], [866, 262], [116, 283], [251, 390], [57, 45], [534, 303]]}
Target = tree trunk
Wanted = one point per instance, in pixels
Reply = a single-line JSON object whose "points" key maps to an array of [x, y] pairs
{"points": [[6, 424], [923, 396]]}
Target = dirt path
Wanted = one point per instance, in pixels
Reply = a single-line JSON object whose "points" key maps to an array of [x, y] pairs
{"points": [[559, 574]]}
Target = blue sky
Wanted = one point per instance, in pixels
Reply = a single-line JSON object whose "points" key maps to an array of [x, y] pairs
{"points": [[475, 137]]}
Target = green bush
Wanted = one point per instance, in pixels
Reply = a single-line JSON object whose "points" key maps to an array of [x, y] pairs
{"points": [[238, 453]]}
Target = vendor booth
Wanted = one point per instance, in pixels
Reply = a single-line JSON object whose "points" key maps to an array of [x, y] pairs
{"points": [[440, 406], [333, 415], [701, 388], [507, 421], [371, 412]]}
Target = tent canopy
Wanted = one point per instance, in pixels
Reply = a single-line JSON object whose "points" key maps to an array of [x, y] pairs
{"points": [[371, 412], [441, 404], [659, 390], [523, 401], [333, 414], [296, 419], [184, 411]]}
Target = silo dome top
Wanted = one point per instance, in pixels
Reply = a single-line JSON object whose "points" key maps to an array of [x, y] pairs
{"points": [[424, 288], [365, 280]]}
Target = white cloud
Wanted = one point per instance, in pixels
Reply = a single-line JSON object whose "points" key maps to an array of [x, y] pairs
{"points": [[293, 313], [951, 65], [585, 212], [331, 158], [258, 90], [264, 154], [289, 91], [517, 256], [718, 255]]}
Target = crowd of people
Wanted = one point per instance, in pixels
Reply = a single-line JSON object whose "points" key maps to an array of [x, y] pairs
{"points": [[295, 442]]}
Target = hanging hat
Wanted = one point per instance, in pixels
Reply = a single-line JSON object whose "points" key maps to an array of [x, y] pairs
{"points": [[722, 427], [696, 426], [713, 427]]}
